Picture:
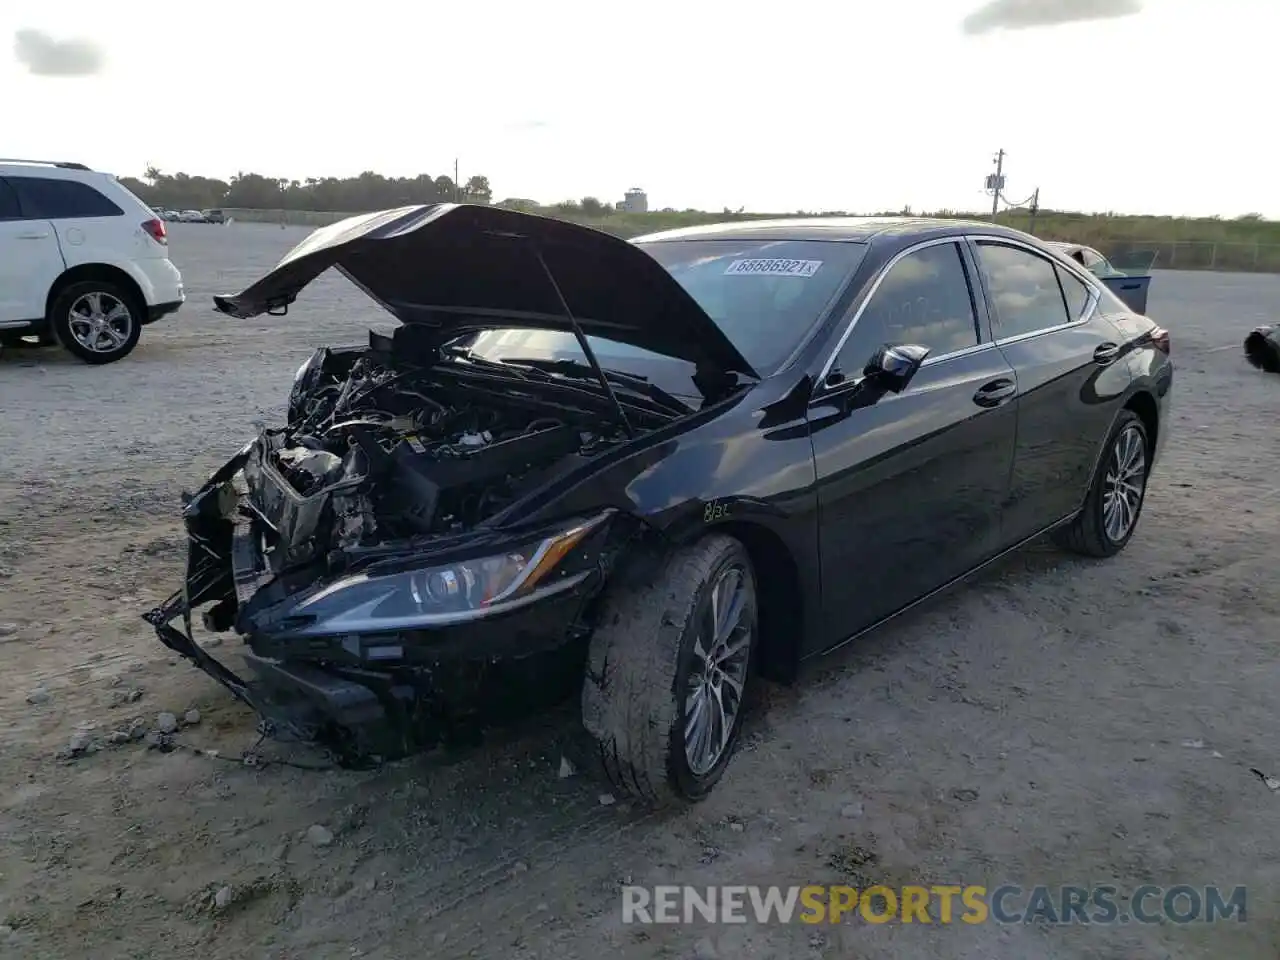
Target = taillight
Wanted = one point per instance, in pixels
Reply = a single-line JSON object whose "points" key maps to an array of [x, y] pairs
{"points": [[1160, 339], [155, 229]]}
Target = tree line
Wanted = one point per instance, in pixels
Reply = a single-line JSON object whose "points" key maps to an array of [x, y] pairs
{"points": [[368, 191]]}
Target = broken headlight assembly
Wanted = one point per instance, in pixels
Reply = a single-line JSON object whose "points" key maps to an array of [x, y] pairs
{"points": [[446, 593], [304, 381]]}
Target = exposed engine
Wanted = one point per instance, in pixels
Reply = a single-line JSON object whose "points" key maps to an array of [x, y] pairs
{"points": [[379, 450]]}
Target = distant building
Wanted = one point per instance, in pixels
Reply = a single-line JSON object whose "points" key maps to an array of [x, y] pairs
{"points": [[520, 204], [634, 201]]}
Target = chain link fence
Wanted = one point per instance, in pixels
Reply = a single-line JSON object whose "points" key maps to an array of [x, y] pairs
{"points": [[1201, 254]]}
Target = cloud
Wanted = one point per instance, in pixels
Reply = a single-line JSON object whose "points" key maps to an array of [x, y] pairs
{"points": [[45, 56], [1027, 14]]}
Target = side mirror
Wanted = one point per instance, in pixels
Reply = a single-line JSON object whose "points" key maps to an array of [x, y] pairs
{"points": [[894, 364]]}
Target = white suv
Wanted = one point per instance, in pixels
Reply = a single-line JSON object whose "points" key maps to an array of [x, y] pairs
{"points": [[83, 262]]}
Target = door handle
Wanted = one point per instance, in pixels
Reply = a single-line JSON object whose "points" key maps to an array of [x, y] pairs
{"points": [[34, 236], [1106, 353], [995, 393]]}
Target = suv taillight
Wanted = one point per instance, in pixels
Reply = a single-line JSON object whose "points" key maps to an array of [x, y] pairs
{"points": [[1160, 340], [155, 228]]}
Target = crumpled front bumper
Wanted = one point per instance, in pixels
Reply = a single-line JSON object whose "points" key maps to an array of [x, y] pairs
{"points": [[300, 701], [368, 697]]}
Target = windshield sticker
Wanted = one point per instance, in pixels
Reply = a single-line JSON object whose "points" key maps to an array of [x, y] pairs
{"points": [[773, 268]]}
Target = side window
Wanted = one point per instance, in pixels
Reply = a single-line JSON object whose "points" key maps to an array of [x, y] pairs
{"points": [[923, 299], [1024, 290], [1076, 293], [9, 209], [49, 199]]}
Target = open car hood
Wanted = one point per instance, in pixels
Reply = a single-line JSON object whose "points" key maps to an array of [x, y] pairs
{"points": [[464, 267]]}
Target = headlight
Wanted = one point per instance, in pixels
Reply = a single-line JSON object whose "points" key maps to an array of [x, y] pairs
{"points": [[448, 593]]}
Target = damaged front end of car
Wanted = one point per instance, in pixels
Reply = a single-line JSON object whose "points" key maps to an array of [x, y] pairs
{"points": [[376, 649], [373, 553], [356, 548]]}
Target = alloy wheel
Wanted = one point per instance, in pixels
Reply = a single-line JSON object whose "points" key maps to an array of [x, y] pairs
{"points": [[1124, 484], [100, 322], [721, 653]]}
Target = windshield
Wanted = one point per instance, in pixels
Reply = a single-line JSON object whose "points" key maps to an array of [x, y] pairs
{"points": [[764, 294]]}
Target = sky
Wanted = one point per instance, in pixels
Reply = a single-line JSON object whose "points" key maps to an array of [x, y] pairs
{"points": [[1131, 106]]}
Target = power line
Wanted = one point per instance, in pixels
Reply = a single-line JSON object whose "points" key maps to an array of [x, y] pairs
{"points": [[995, 186], [995, 183]]}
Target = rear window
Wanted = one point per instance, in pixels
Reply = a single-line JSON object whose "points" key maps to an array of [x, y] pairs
{"points": [[48, 199]]}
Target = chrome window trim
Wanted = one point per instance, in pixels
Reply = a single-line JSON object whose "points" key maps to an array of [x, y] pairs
{"points": [[1091, 284], [875, 285], [962, 352]]}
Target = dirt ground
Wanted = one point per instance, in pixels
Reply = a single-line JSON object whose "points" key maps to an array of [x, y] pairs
{"points": [[1055, 722]]}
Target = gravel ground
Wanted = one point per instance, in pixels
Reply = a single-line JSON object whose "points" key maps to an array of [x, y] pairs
{"points": [[1056, 722]]}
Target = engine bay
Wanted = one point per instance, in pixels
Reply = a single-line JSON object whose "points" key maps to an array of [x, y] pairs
{"points": [[381, 447]]}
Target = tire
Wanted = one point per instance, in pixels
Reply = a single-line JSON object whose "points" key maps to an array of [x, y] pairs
{"points": [[1262, 349], [111, 298], [641, 661], [1088, 534]]}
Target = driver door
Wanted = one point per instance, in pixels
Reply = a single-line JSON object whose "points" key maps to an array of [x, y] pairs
{"points": [[911, 485]]}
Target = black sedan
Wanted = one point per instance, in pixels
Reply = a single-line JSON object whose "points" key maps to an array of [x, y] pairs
{"points": [[666, 466]]}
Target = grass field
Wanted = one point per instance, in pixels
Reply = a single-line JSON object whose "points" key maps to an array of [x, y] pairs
{"points": [[1248, 244]]}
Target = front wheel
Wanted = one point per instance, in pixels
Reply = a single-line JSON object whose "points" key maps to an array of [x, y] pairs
{"points": [[1119, 489], [668, 671], [97, 321]]}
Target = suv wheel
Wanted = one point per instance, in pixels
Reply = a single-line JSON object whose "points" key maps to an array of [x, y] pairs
{"points": [[668, 670], [1119, 489], [97, 321]]}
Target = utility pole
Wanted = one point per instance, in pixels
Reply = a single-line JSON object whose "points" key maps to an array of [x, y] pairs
{"points": [[998, 183], [457, 187], [1035, 208]]}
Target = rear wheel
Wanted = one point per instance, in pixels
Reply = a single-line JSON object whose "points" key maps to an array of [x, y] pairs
{"points": [[1114, 503], [97, 321], [667, 674]]}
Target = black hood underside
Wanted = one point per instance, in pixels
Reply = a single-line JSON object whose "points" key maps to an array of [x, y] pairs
{"points": [[459, 268]]}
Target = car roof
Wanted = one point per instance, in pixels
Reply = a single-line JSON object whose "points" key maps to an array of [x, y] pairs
{"points": [[50, 170], [847, 229]]}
